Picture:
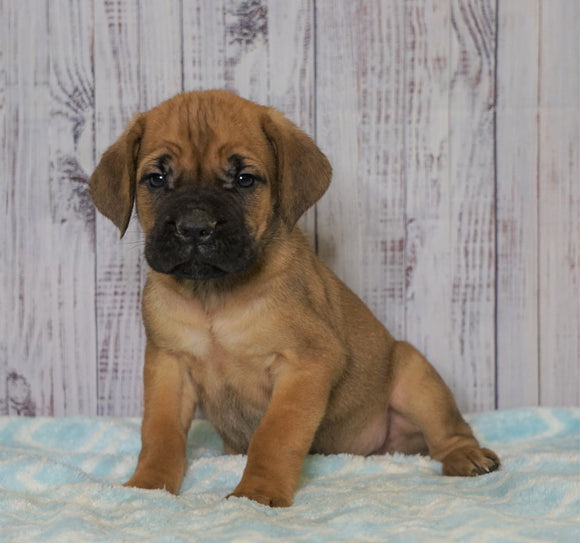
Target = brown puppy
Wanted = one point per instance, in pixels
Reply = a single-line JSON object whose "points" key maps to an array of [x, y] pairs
{"points": [[245, 321]]}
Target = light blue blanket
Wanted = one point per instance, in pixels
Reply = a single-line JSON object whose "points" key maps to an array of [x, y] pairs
{"points": [[60, 481]]}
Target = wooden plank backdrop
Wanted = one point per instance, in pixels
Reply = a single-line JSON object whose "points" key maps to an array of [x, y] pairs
{"points": [[453, 127]]}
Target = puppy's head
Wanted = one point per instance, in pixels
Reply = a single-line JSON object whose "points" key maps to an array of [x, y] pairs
{"points": [[214, 177]]}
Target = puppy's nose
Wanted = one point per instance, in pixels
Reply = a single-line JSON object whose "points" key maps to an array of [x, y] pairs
{"points": [[197, 226]]}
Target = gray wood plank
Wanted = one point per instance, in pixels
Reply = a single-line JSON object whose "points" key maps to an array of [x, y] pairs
{"points": [[160, 51], [203, 44], [517, 203], [472, 241], [71, 148], [28, 335], [120, 265], [429, 223], [559, 202], [5, 182], [360, 95], [402, 101]]}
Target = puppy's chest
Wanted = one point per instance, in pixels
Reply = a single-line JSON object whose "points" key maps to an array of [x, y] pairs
{"points": [[231, 357], [232, 369]]}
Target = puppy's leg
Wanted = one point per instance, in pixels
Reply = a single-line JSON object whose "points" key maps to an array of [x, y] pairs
{"points": [[168, 411], [420, 395], [285, 435]]}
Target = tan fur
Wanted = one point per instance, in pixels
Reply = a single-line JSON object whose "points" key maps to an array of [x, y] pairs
{"points": [[283, 358]]}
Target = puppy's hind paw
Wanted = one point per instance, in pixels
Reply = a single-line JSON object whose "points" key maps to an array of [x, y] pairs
{"points": [[470, 462]]}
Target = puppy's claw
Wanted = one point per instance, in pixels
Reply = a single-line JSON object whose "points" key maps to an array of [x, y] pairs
{"points": [[470, 462]]}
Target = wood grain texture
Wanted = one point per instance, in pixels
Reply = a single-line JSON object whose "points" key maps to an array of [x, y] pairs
{"points": [[160, 51], [203, 51], [5, 271], [361, 231], [559, 202], [453, 130], [517, 203], [72, 265], [119, 265], [428, 219], [29, 336], [471, 177]]}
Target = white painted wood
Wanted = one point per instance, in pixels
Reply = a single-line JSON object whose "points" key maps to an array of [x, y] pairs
{"points": [[28, 336], [203, 49], [406, 99], [160, 51], [247, 60], [429, 223], [559, 202], [471, 177], [517, 203], [6, 271], [72, 263], [359, 89], [120, 264]]}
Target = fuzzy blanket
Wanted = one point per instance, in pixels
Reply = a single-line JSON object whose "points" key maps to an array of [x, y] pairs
{"points": [[60, 481]]}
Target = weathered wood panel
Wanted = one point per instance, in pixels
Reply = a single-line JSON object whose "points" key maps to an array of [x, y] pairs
{"points": [[429, 269], [5, 174], [47, 248], [120, 266], [472, 206], [517, 203], [70, 269], [261, 50], [360, 118], [454, 210], [559, 202], [379, 216], [160, 51], [28, 335]]}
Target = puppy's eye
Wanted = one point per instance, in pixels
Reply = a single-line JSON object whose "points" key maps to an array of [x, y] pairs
{"points": [[246, 180], [155, 180]]}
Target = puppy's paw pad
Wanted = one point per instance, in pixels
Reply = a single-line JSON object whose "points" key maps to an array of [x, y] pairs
{"points": [[470, 462]]}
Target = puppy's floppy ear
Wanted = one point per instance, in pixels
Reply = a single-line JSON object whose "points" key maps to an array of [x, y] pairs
{"points": [[112, 185], [303, 172]]}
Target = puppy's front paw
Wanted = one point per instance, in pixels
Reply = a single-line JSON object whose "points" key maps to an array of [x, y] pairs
{"points": [[151, 480], [470, 462], [262, 492]]}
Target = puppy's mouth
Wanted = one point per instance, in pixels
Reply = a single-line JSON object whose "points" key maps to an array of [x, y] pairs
{"points": [[189, 262], [196, 271], [199, 246]]}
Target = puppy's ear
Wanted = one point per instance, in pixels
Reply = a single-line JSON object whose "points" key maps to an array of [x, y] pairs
{"points": [[303, 172], [112, 185]]}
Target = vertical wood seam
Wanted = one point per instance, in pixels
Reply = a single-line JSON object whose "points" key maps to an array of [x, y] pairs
{"points": [[182, 43], [315, 104], [495, 213], [95, 246], [538, 210], [405, 170]]}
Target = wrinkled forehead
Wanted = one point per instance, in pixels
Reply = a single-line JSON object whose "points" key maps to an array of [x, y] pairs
{"points": [[195, 129]]}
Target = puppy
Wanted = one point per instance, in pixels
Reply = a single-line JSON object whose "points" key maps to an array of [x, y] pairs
{"points": [[244, 321]]}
